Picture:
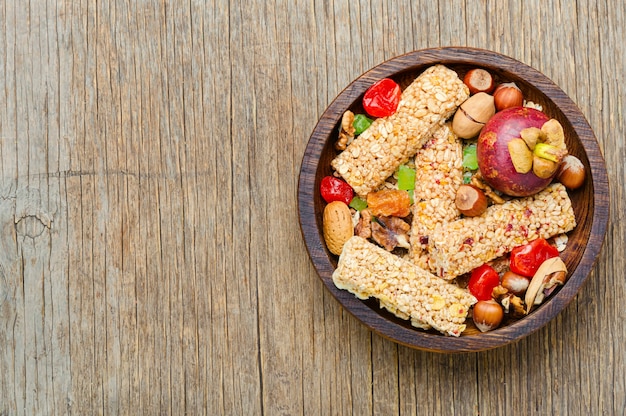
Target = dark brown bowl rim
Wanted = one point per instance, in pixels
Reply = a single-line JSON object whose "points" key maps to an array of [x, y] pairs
{"points": [[412, 337]]}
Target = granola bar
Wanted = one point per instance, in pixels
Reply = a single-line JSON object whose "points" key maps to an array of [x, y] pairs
{"points": [[390, 141], [401, 287], [439, 174], [462, 245]]}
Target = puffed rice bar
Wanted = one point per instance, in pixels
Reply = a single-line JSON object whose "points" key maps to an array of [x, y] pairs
{"points": [[462, 245], [390, 141], [401, 287], [439, 174]]}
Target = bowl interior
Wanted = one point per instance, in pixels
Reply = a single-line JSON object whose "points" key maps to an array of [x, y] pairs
{"points": [[590, 202]]}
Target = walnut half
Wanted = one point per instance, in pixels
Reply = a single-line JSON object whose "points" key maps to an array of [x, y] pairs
{"points": [[391, 232], [346, 131]]}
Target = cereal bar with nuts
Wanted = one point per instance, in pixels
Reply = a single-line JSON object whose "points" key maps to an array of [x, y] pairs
{"points": [[401, 287], [390, 141], [462, 245], [439, 173]]}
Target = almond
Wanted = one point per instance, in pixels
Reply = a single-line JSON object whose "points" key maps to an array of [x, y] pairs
{"points": [[337, 225]]}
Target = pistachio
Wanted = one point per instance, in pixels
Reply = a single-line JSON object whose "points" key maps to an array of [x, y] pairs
{"points": [[552, 272], [521, 156]]}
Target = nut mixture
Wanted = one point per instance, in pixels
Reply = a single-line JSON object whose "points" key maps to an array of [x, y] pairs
{"points": [[415, 256]]}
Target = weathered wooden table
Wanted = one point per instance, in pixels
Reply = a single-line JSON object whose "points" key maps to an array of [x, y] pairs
{"points": [[150, 256]]}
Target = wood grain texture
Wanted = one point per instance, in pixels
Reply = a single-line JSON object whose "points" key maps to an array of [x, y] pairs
{"points": [[151, 260]]}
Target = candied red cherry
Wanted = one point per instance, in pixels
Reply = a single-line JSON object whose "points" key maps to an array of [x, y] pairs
{"points": [[526, 259], [335, 189], [382, 98], [482, 281]]}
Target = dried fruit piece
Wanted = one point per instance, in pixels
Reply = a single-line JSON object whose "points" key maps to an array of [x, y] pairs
{"points": [[361, 123], [389, 203], [482, 281], [406, 178], [544, 168], [526, 259], [382, 98], [335, 189], [521, 155], [358, 203], [470, 161], [532, 136]]}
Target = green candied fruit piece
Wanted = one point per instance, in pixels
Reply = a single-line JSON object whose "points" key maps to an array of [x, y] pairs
{"points": [[358, 203], [406, 178], [467, 177], [470, 160], [361, 123]]}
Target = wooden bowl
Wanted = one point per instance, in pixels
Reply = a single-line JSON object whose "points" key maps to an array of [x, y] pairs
{"points": [[591, 202]]}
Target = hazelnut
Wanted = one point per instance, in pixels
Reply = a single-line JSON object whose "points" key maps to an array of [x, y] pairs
{"points": [[571, 172], [508, 95], [487, 315], [479, 80], [515, 283], [472, 115], [470, 200]]}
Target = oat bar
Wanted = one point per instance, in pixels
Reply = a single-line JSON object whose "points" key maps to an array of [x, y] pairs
{"points": [[401, 287], [390, 141], [439, 174], [462, 245]]}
